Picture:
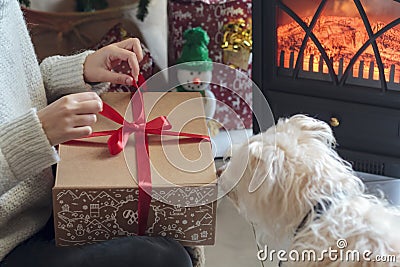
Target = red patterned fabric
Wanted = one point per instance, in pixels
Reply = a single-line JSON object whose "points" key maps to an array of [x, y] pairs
{"points": [[117, 34], [211, 15]]}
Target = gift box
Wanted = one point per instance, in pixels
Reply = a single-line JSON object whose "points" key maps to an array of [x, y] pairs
{"points": [[237, 43], [99, 196], [234, 92]]}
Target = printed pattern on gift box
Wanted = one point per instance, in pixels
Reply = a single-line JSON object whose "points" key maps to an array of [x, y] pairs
{"points": [[88, 216], [212, 15]]}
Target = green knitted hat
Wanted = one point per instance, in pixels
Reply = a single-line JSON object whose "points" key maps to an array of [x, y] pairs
{"points": [[195, 51]]}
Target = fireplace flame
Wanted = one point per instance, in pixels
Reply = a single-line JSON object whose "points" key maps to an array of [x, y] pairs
{"points": [[341, 38]]}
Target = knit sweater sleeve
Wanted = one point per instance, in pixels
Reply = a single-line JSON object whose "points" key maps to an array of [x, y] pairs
{"points": [[25, 147], [63, 75]]}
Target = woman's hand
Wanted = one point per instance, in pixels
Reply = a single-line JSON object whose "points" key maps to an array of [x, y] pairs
{"points": [[70, 117], [97, 66]]}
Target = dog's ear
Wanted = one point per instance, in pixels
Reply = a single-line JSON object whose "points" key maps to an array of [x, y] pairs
{"points": [[261, 161], [314, 128]]}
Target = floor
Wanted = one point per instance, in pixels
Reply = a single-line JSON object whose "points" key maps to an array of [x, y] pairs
{"points": [[235, 243]]}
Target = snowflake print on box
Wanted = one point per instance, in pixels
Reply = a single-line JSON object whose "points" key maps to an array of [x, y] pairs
{"points": [[89, 216], [211, 15]]}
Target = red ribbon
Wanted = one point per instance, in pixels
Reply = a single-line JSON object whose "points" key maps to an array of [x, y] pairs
{"points": [[119, 137], [118, 140]]}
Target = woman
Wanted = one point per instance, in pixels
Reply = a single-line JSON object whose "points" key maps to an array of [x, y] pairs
{"points": [[29, 130]]}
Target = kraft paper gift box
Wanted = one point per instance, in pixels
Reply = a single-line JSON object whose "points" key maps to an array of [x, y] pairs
{"points": [[96, 194]]}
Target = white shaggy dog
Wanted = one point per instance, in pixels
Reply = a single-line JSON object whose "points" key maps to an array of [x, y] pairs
{"points": [[300, 195]]}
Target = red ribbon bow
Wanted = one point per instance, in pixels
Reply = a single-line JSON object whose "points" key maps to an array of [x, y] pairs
{"points": [[118, 138]]}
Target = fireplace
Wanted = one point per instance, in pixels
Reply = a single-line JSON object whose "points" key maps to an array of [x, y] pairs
{"points": [[339, 61]]}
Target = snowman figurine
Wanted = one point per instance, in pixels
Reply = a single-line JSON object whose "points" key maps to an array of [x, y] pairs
{"points": [[195, 68]]}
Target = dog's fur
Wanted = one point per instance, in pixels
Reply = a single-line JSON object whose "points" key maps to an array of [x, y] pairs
{"points": [[290, 168]]}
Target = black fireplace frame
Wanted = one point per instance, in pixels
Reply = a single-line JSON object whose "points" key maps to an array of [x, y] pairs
{"points": [[369, 136]]}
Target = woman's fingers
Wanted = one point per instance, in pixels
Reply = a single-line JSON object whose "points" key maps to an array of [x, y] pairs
{"points": [[70, 117], [84, 96], [98, 66], [84, 120], [125, 55], [79, 132], [117, 78], [132, 44], [89, 107]]}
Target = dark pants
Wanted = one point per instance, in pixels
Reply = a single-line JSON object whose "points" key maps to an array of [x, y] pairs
{"points": [[40, 250]]}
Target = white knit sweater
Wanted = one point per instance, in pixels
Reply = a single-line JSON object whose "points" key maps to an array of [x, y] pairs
{"points": [[25, 152]]}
